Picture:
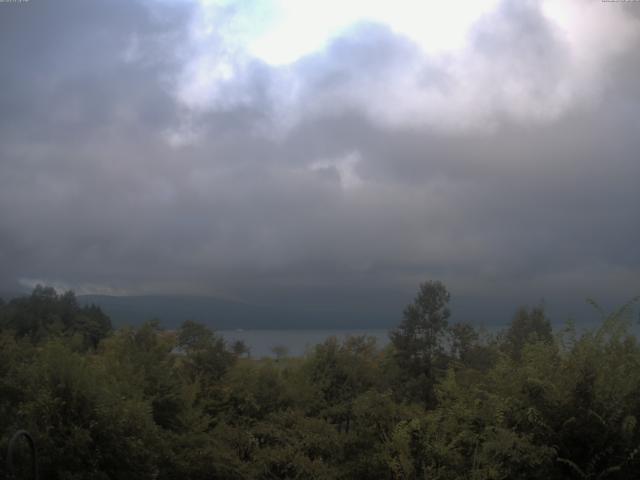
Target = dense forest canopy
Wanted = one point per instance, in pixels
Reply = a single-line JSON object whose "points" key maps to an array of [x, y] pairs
{"points": [[441, 401]]}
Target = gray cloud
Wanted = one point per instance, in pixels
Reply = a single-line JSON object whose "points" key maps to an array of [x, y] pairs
{"points": [[354, 188], [522, 63]]}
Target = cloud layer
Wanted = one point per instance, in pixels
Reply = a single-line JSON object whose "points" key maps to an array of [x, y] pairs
{"points": [[140, 153]]}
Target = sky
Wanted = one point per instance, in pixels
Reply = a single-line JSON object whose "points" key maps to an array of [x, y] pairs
{"points": [[323, 153]]}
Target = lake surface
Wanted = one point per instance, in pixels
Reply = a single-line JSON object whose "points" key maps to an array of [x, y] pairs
{"points": [[297, 342]]}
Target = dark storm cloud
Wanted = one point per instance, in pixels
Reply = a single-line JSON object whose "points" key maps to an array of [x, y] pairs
{"points": [[77, 116], [512, 172]]}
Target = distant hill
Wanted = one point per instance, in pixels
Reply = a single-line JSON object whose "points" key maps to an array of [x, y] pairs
{"points": [[222, 314], [8, 295]]}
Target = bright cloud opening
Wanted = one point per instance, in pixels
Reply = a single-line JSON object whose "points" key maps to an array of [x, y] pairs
{"points": [[446, 65], [280, 32]]}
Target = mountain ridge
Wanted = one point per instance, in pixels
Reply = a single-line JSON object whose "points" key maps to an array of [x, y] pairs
{"points": [[224, 314]]}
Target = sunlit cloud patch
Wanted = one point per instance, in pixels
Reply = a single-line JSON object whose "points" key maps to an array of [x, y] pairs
{"points": [[443, 65]]}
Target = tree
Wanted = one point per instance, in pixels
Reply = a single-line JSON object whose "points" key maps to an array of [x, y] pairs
{"points": [[83, 425], [240, 348], [207, 357], [92, 324], [463, 340], [280, 351], [527, 326], [45, 314], [341, 372], [418, 341], [194, 336]]}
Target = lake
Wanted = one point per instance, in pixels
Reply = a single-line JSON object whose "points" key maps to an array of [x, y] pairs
{"points": [[297, 342]]}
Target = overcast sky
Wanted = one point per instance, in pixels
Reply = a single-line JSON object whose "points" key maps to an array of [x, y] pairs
{"points": [[332, 153]]}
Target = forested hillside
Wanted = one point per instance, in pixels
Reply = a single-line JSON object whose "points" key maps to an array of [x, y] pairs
{"points": [[440, 402]]}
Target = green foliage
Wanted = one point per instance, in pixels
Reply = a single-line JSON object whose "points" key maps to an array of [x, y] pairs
{"points": [[527, 326], [45, 314], [206, 356], [83, 427], [441, 402], [419, 343]]}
